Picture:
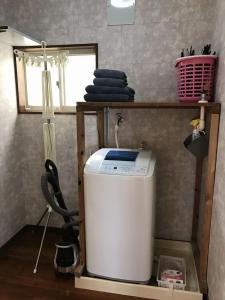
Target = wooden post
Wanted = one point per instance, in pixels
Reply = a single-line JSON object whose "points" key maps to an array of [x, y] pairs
{"points": [[207, 209], [100, 128], [81, 160], [197, 197]]}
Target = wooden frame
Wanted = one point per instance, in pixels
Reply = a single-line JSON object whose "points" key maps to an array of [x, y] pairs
{"points": [[212, 109]]}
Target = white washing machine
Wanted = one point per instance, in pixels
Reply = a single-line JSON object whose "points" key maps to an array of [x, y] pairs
{"points": [[119, 189]]}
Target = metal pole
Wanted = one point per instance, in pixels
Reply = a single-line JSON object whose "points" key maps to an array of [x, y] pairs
{"points": [[42, 240], [106, 125]]}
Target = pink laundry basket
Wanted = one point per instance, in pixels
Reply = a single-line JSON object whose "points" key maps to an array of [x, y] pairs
{"points": [[195, 74]]}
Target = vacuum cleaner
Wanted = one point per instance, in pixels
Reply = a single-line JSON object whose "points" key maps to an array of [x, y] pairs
{"points": [[67, 249]]}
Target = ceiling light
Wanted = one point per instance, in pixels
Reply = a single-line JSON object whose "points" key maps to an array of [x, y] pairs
{"points": [[122, 3]]}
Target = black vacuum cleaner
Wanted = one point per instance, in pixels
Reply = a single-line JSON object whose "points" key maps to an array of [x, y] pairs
{"points": [[68, 248]]}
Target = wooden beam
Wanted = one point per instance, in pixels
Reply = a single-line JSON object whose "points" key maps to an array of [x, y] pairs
{"points": [[100, 128], [79, 269], [197, 197], [81, 162], [211, 107], [136, 291], [207, 209]]}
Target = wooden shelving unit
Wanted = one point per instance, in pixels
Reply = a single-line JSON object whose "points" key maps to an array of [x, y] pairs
{"points": [[201, 252], [99, 106]]}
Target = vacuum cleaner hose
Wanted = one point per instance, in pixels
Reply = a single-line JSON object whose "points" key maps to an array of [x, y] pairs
{"points": [[45, 179]]}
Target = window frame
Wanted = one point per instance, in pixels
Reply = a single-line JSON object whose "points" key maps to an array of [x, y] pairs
{"points": [[20, 76]]}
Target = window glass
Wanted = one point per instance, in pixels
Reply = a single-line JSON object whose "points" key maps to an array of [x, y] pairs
{"points": [[78, 74], [34, 84], [55, 84]]}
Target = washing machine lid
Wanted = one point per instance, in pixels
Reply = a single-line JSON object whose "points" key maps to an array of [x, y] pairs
{"points": [[119, 162]]}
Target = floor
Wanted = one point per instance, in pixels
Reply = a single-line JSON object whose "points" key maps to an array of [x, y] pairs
{"points": [[17, 260]]}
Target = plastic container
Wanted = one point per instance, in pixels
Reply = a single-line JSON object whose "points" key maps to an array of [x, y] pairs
{"points": [[195, 74], [171, 263]]}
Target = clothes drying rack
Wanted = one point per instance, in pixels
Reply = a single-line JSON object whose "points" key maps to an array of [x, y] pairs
{"points": [[200, 252]]}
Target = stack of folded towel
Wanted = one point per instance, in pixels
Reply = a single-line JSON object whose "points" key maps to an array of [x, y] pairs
{"points": [[109, 85]]}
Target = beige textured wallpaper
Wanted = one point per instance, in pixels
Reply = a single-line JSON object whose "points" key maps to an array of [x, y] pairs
{"points": [[12, 194], [146, 51], [216, 274]]}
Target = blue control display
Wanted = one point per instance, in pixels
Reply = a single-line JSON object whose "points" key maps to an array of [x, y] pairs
{"points": [[121, 155]]}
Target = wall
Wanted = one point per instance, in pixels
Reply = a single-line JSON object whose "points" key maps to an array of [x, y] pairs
{"points": [[146, 51], [66, 162], [216, 274], [12, 206]]}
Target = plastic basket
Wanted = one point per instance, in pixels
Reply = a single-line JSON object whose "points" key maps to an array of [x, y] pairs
{"points": [[171, 263], [195, 74]]}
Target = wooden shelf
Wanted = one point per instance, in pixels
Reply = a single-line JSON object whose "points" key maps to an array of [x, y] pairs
{"points": [[92, 106]]}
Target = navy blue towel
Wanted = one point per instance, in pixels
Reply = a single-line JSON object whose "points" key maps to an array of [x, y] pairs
{"points": [[106, 73], [109, 90], [108, 97], [110, 82]]}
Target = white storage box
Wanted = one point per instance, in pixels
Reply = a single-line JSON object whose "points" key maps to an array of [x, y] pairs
{"points": [[171, 263]]}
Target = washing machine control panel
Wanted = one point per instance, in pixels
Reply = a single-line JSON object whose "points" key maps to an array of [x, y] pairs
{"points": [[123, 163], [122, 170]]}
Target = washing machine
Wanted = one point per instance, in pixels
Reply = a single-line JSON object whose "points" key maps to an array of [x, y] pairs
{"points": [[119, 193]]}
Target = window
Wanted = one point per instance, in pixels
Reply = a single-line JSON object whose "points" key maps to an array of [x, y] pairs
{"points": [[68, 78]]}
